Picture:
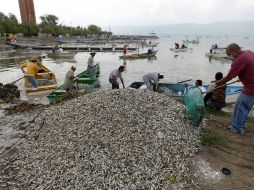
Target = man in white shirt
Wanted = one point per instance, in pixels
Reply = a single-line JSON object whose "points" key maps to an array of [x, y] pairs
{"points": [[151, 80], [90, 65], [69, 82], [198, 84], [114, 75]]}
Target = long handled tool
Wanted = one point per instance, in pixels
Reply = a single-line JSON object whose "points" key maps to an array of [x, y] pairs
{"points": [[17, 80], [184, 81], [227, 84]]}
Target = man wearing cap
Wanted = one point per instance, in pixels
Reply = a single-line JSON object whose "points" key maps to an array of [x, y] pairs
{"points": [[90, 65], [69, 81], [31, 71], [151, 80], [114, 75]]}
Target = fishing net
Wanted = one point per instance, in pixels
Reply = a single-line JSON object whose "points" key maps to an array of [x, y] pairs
{"points": [[194, 102]]}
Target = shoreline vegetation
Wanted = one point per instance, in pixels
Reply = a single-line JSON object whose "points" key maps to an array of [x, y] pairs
{"points": [[49, 25]]}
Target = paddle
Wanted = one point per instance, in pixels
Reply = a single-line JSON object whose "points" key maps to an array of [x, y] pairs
{"points": [[184, 81], [17, 80], [227, 84]]}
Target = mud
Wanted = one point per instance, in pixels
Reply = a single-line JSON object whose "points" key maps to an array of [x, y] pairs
{"points": [[237, 156]]}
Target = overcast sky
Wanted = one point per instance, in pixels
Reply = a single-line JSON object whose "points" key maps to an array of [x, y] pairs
{"points": [[138, 12]]}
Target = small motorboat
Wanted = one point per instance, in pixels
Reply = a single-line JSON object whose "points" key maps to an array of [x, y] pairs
{"points": [[139, 56]]}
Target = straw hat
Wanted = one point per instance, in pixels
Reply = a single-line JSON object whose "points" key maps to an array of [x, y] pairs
{"points": [[92, 53]]}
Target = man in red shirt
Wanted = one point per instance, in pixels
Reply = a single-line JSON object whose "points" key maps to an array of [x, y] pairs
{"points": [[125, 50], [243, 67]]}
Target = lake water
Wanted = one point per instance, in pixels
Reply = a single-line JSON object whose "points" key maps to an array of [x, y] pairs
{"points": [[192, 64]]}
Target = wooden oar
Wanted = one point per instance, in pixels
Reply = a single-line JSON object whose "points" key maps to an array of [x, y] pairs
{"points": [[17, 80], [227, 84], [184, 81]]}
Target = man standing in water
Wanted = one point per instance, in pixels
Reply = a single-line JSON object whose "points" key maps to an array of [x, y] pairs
{"points": [[125, 50], [90, 65], [243, 67], [114, 75]]}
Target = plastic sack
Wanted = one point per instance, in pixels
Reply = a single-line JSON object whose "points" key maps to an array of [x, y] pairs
{"points": [[194, 102]]}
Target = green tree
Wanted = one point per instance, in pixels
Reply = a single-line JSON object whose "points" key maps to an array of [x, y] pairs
{"points": [[13, 18], [49, 19], [93, 29], [3, 17], [49, 25]]}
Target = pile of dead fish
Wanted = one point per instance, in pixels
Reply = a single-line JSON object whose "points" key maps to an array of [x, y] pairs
{"points": [[8, 92], [122, 139]]}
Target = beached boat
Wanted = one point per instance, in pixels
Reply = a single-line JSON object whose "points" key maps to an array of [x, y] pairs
{"points": [[62, 55], [180, 49], [139, 56], [84, 83], [177, 90], [46, 82]]}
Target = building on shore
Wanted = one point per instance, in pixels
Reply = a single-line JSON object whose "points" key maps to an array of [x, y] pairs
{"points": [[27, 11]]}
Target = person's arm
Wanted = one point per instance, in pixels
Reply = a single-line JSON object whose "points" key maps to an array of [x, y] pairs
{"points": [[89, 62], [22, 68], [72, 76], [235, 69], [222, 81], [211, 87], [114, 78], [92, 63], [121, 78], [122, 83]]}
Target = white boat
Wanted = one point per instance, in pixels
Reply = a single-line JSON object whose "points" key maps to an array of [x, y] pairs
{"points": [[180, 49], [61, 55], [191, 41], [217, 55]]}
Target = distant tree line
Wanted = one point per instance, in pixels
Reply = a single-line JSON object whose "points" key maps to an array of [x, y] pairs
{"points": [[49, 25]]}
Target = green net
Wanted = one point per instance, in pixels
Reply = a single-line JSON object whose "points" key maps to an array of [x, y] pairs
{"points": [[194, 102]]}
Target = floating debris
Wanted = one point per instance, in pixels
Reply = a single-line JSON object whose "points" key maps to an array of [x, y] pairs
{"points": [[116, 139]]}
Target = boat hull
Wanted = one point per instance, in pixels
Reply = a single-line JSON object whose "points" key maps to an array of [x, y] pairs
{"points": [[217, 56], [179, 50], [178, 90], [61, 55], [139, 56], [46, 82], [84, 85]]}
